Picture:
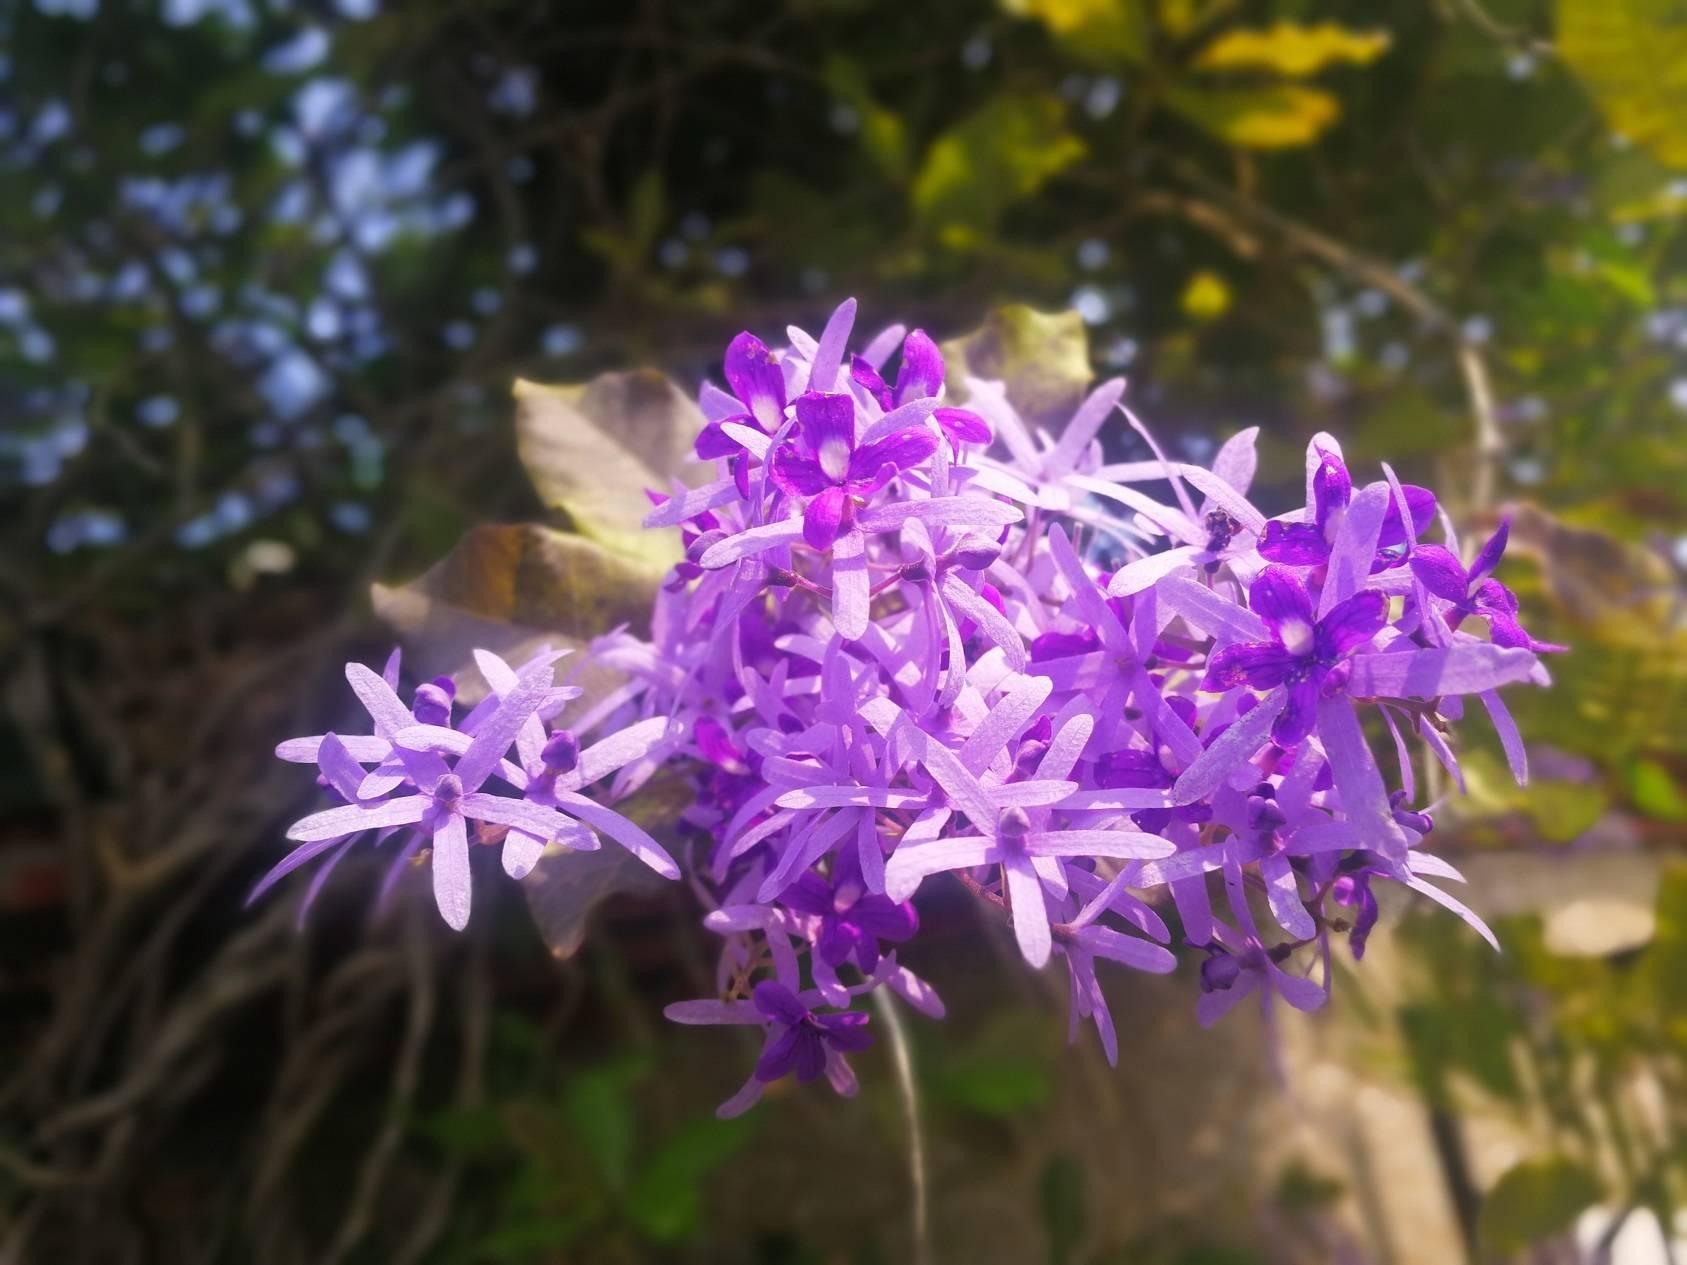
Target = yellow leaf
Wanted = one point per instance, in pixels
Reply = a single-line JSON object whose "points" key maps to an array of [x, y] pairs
{"points": [[1292, 49], [1179, 18], [1042, 358], [1631, 56], [1277, 116], [1109, 32], [592, 450], [511, 588], [1206, 297]]}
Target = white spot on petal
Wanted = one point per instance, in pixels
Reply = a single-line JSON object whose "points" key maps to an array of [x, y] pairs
{"points": [[1297, 636]]}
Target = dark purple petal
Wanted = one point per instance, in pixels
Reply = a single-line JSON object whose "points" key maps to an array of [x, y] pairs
{"points": [[810, 1054], [901, 450], [1294, 544], [796, 475], [1488, 557], [823, 520], [1421, 503], [1060, 645], [921, 372], [810, 894], [846, 1031], [1132, 768], [836, 942], [713, 441], [1351, 624], [716, 745], [864, 375], [1332, 488], [868, 485], [866, 952], [1440, 572], [828, 427], [887, 919], [781, 1053], [779, 1003], [1261, 664], [962, 426], [1355, 890], [1281, 600], [756, 379], [1297, 718]]}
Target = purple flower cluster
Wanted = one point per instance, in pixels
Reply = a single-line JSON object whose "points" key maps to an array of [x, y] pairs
{"points": [[915, 638]]}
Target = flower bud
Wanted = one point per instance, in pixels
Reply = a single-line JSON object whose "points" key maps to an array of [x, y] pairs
{"points": [[1265, 815], [697, 548], [1423, 823], [1013, 825], [1219, 973], [432, 704], [561, 752], [975, 553]]}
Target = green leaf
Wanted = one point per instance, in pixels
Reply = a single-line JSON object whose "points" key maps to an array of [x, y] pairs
{"points": [[1000, 1072], [665, 1200], [1272, 116], [1292, 49], [1102, 32], [467, 1132], [593, 449], [1655, 792], [1666, 959], [1631, 56], [1061, 1188], [600, 1115], [532, 1237], [1003, 152], [647, 208], [1041, 357], [883, 134], [1301, 1190], [1535, 1200]]}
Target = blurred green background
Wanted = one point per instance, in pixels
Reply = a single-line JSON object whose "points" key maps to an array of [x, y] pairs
{"points": [[267, 271]]}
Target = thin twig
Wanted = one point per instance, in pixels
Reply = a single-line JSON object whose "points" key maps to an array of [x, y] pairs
{"points": [[902, 1059], [1368, 270], [378, 1159]]}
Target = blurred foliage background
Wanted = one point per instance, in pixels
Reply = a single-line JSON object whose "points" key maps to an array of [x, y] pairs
{"points": [[267, 271]]}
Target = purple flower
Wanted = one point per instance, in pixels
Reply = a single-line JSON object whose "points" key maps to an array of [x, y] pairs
{"points": [[1303, 653], [961, 427], [758, 397], [852, 920], [798, 1039], [909, 639], [826, 465], [342, 775], [1475, 592], [1007, 837], [1330, 490], [448, 797], [804, 1042]]}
